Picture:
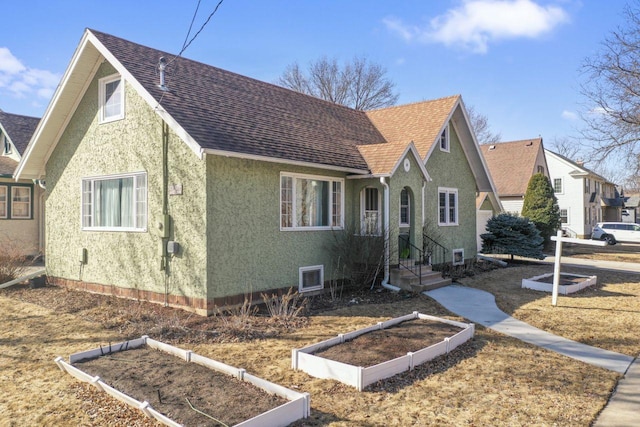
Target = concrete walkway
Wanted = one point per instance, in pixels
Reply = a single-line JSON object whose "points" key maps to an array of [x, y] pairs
{"points": [[480, 307]]}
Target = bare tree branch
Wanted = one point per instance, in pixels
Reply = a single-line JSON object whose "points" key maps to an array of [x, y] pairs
{"points": [[612, 88], [359, 84], [481, 127]]}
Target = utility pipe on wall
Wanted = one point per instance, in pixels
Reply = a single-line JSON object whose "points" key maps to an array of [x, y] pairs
{"points": [[385, 198]]}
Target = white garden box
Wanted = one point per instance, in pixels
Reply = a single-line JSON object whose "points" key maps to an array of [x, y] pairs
{"points": [[536, 283], [298, 407], [359, 377]]}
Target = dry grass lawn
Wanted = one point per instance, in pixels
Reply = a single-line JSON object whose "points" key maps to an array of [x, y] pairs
{"points": [[492, 380]]}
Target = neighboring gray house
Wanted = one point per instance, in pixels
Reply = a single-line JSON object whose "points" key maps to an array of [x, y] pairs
{"points": [[215, 186], [21, 202]]}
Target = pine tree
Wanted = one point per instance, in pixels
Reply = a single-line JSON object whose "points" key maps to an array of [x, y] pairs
{"points": [[513, 235], [541, 206]]}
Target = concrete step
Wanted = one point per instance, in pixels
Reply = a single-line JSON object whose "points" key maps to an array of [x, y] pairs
{"points": [[407, 280]]}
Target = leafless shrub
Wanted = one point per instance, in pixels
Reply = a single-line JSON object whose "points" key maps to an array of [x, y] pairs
{"points": [[285, 308], [12, 262], [238, 319], [360, 257]]}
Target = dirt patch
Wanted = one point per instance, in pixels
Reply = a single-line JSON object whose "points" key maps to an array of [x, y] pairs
{"points": [[379, 346], [166, 382], [490, 380]]}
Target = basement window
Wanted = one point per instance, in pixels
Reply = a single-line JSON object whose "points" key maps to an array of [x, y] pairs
{"points": [[311, 278], [458, 256]]}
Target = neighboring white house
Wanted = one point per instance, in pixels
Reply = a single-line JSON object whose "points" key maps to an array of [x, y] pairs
{"points": [[584, 197]]}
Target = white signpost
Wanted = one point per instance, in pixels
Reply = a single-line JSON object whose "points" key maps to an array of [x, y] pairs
{"points": [[556, 269]]}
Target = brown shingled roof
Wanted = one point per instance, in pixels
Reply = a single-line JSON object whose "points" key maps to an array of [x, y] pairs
{"points": [[420, 122], [7, 165], [232, 113], [19, 128], [512, 164]]}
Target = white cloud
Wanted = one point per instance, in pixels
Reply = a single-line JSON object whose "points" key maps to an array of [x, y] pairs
{"points": [[21, 81], [9, 64], [476, 23], [569, 115]]}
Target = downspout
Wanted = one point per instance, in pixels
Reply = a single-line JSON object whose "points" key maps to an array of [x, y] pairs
{"points": [[385, 281], [424, 184], [164, 263]]}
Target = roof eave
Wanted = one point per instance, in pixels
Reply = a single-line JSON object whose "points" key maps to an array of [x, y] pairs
{"points": [[233, 154]]}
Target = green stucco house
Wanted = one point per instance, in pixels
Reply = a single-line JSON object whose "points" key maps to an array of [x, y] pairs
{"points": [[176, 182]]}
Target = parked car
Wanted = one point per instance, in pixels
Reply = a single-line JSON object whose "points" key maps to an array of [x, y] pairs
{"points": [[614, 232]]}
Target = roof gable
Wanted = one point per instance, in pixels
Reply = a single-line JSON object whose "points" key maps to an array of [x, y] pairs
{"points": [[579, 169], [421, 122], [18, 128], [212, 110], [512, 164], [384, 159], [226, 112]]}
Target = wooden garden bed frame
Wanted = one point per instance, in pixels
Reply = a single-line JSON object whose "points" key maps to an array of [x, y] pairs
{"points": [[360, 377], [298, 407]]}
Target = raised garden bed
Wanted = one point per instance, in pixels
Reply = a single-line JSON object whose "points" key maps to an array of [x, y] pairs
{"points": [[124, 364], [311, 359], [569, 283]]}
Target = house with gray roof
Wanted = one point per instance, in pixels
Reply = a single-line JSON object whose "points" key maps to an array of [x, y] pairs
{"points": [[177, 182], [21, 202]]}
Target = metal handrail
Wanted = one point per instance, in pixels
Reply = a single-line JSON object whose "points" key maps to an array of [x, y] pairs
{"points": [[569, 232], [411, 260], [435, 254]]}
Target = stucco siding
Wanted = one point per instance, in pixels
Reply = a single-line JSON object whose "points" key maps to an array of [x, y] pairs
{"points": [[248, 252], [21, 235], [413, 181], [88, 148], [451, 170]]}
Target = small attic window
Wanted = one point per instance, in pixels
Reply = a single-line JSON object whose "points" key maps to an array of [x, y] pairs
{"points": [[111, 98], [444, 139], [5, 144]]}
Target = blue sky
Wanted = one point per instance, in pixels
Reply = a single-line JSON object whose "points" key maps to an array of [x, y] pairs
{"points": [[515, 61]]}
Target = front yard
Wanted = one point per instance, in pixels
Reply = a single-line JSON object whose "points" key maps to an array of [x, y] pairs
{"points": [[492, 380]]}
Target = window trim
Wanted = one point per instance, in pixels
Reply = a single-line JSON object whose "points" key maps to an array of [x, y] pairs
{"points": [[102, 94], [448, 192], [561, 185], [567, 216], [330, 202], [6, 201], [7, 148], [455, 252], [363, 210], [303, 270], [407, 207], [30, 202], [134, 204], [445, 140], [9, 202]]}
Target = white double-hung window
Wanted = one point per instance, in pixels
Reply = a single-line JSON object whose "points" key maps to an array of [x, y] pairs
{"points": [[115, 203], [311, 202], [111, 98], [447, 206]]}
